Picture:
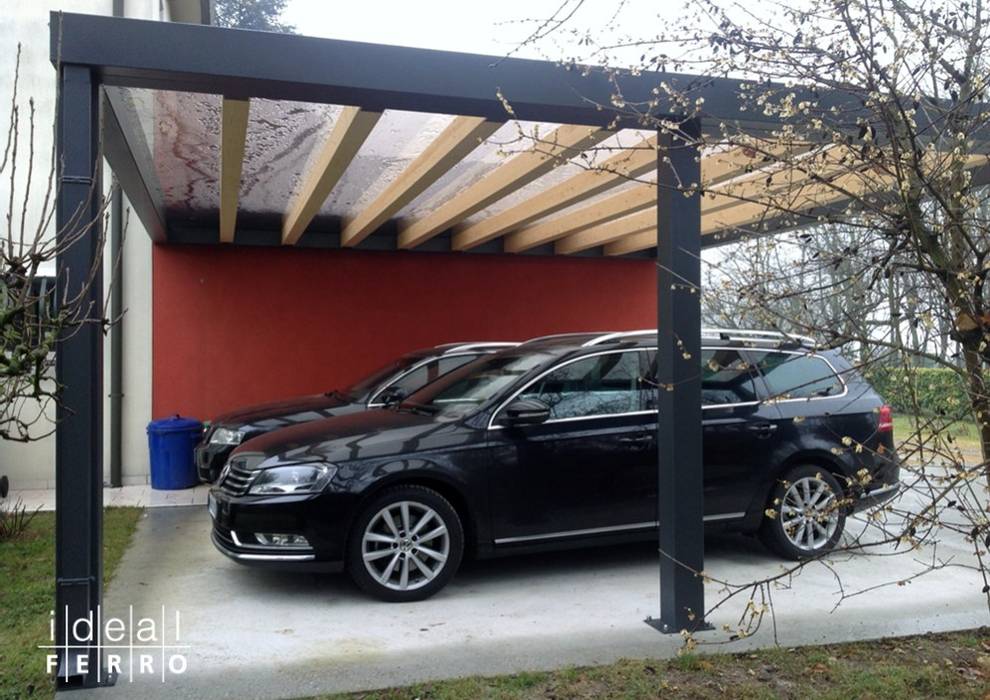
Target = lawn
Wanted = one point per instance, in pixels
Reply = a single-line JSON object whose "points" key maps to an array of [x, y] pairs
{"points": [[964, 433], [953, 665], [27, 591]]}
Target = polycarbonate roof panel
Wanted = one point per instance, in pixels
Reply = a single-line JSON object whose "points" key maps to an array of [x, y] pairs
{"points": [[508, 140], [593, 157], [282, 138], [393, 144], [182, 134]]}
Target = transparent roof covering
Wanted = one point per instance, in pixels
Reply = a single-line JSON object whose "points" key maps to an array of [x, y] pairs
{"points": [[180, 134]]}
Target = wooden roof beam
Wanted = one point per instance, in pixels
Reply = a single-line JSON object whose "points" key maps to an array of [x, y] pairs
{"points": [[628, 164], [519, 170], [350, 130], [612, 231], [454, 143], [233, 136]]}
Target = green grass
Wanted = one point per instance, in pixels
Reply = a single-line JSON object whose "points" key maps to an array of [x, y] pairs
{"points": [[953, 665], [965, 434], [27, 566]]}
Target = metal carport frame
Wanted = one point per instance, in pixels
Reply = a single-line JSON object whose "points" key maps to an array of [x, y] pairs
{"points": [[90, 52]]}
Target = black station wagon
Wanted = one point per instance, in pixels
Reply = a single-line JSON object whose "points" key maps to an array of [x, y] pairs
{"points": [[552, 444], [391, 383]]}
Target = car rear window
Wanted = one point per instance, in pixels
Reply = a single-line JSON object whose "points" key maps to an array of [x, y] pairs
{"points": [[797, 376], [726, 378]]}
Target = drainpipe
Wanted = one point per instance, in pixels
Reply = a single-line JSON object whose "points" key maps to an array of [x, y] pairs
{"points": [[116, 311]]}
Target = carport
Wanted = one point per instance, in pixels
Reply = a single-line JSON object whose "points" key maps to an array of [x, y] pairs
{"points": [[507, 157]]}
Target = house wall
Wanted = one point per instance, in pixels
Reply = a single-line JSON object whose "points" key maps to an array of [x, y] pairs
{"points": [[32, 465], [237, 325]]}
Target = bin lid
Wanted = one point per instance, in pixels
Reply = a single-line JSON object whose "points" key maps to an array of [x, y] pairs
{"points": [[174, 424]]}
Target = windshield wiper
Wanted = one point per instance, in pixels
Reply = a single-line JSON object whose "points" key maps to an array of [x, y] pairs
{"points": [[337, 394]]}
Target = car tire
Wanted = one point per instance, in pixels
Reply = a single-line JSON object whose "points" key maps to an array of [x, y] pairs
{"points": [[406, 544], [805, 515]]}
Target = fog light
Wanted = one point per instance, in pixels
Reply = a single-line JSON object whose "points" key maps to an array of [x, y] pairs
{"points": [[274, 539]]}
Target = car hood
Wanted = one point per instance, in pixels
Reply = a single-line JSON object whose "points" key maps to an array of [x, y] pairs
{"points": [[369, 434], [280, 414]]}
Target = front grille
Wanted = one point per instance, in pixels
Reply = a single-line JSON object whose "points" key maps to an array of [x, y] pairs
{"points": [[238, 478]]}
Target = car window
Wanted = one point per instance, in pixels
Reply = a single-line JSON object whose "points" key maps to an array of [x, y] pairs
{"points": [[727, 378], [430, 371], [359, 390], [599, 385], [797, 376], [465, 389]]}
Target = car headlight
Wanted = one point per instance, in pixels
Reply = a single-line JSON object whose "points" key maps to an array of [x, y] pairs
{"points": [[298, 478], [226, 436]]}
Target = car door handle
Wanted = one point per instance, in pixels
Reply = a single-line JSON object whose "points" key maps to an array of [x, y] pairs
{"points": [[762, 430]]}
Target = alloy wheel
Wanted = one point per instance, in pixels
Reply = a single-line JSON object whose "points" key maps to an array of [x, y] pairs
{"points": [[809, 513], [405, 545]]}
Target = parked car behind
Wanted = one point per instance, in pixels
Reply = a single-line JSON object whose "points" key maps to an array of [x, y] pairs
{"points": [[553, 444], [393, 382]]}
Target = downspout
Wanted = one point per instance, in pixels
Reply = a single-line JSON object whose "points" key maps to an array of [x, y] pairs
{"points": [[116, 312]]}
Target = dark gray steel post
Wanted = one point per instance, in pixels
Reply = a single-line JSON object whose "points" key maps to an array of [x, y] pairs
{"points": [[680, 501], [78, 368]]}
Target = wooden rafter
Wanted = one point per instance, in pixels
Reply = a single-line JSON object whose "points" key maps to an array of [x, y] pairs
{"points": [[455, 142], [717, 169], [522, 168], [233, 134], [627, 202], [632, 244], [349, 131], [630, 163], [606, 233]]}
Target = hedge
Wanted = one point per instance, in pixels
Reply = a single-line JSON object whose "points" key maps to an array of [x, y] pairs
{"points": [[939, 390]]}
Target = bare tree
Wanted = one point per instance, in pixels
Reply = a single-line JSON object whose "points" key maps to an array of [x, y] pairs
{"points": [[34, 317], [878, 161]]}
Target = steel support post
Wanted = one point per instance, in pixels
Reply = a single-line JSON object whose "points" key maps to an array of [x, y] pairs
{"points": [[680, 498], [78, 369]]}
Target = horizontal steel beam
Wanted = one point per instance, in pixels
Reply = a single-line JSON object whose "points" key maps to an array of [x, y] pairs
{"points": [[243, 64], [382, 240]]}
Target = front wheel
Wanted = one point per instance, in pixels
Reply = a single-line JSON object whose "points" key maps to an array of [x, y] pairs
{"points": [[406, 545], [804, 516]]}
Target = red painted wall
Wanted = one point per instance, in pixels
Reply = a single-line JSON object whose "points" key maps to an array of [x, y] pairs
{"points": [[241, 325]]}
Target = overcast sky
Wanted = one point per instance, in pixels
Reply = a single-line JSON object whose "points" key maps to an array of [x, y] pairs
{"points": [[457, 25]]}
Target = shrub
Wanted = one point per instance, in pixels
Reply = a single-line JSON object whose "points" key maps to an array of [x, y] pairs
{"points": [[14, 519], [937, 390]]}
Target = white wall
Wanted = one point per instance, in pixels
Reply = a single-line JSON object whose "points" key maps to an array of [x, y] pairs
{"points": [[32, 465]]}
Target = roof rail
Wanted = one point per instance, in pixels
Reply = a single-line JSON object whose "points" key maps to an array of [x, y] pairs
{"points": [[744, 334], [462, 347], [721, 333], [561, 335], [609, 337]]}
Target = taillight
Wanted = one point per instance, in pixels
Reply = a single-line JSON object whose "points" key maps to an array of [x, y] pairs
{"points": [[886, 424]]}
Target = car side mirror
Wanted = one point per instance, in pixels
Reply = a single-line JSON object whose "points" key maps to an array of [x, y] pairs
{"points": [[391, 396], [524, 412]]}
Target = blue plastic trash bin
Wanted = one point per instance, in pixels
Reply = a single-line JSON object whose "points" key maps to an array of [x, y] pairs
{"points": [[171, 442]]}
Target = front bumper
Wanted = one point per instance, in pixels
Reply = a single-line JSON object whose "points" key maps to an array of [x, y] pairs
{"points": [[323, 519]]}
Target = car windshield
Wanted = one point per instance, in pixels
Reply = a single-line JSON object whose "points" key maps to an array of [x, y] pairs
{"points": [[464, 389], [360, 390]]}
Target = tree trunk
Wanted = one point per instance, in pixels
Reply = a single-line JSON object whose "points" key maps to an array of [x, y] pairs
{"points": [[978, 397]]}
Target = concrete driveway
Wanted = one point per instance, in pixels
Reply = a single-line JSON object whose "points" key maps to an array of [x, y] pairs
{"points": [[255, 634]]}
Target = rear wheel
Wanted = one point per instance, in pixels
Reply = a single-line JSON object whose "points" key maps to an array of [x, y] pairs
{"points": [[805, 516], [406, 545]]}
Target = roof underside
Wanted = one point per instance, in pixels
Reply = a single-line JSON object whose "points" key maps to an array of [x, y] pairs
{"points": [[256, 138]]}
